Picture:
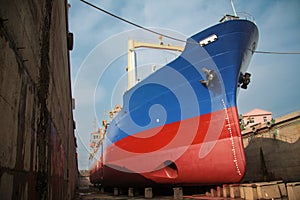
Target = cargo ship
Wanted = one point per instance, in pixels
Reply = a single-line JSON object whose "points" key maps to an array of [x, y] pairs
{"points": [[180, 125]]}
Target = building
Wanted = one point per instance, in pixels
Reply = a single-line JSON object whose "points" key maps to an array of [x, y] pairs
{"points": [[255, 117]]}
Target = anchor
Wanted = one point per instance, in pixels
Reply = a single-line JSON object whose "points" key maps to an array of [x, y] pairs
{"points": [[210, 75], [244, 80]]}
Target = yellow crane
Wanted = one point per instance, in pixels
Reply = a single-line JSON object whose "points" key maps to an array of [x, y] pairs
{"points": [[132, 45]]}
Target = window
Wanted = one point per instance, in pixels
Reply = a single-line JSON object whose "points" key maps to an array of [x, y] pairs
{"points": [[265, 119], [252, 120]]}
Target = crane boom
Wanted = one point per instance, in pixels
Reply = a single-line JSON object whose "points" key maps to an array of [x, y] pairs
{"points": [[131, 67]]}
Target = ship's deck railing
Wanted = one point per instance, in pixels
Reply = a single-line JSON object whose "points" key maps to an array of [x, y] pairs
{"points": [[247, 16], [240, 15]]}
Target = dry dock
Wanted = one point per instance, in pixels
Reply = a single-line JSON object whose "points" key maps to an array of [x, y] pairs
{"points": [[38, 148]]}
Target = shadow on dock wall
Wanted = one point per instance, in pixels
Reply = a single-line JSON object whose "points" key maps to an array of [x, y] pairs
{"points": [[270, 159], [37, 145]]}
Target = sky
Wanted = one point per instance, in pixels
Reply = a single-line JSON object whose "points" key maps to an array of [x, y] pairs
{"points": [[99, 59]]}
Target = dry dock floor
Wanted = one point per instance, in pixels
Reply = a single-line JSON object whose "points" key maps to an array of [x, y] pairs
{"points": [[93, 194], [251, 191]]}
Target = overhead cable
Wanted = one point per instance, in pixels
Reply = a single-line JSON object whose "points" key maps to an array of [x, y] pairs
{"points": [[132, 23], [275, 52], [167, 36]]}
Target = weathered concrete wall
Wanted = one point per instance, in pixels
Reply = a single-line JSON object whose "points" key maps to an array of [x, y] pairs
{"points": [[272, 153], [269, 159], [37, 145]]}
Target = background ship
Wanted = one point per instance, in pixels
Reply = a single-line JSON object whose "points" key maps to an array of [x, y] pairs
{"points": [[180, 125]]}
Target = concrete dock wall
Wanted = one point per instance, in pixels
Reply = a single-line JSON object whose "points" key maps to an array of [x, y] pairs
{"points": [[272, 153], [37, 145]]}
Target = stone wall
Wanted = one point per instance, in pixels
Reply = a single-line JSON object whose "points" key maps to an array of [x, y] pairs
{"points": [[37, 145]]}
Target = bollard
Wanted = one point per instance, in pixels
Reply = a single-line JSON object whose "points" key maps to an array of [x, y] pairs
{"points": [[178, 194], [148, 193]]}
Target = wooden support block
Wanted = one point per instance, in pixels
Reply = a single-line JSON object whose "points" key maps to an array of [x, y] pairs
{"points": [[130, 192], [148, 193], [116, 191], [178, 193], [226, 192], [213, 192], [234, 191], [219, 191], [242, 192], [282, 189], [249, 191], [207, 194], [293, 190], [101, 189], [268, 190]]}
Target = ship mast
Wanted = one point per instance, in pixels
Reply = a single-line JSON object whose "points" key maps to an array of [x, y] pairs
{"points": [[233, 8], [131, 66]]}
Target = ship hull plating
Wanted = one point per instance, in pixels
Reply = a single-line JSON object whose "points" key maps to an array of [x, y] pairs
{"points": [[180, 125]]}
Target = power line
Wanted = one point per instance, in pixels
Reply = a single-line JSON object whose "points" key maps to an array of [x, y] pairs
{"points": [[170, 37], [275, 52], [132, 23]]}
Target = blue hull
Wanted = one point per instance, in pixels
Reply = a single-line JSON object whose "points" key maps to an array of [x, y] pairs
{"points": [[176, 88]]}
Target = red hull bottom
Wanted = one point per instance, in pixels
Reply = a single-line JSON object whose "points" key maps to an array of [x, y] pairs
{"points": [[213, 154]]}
